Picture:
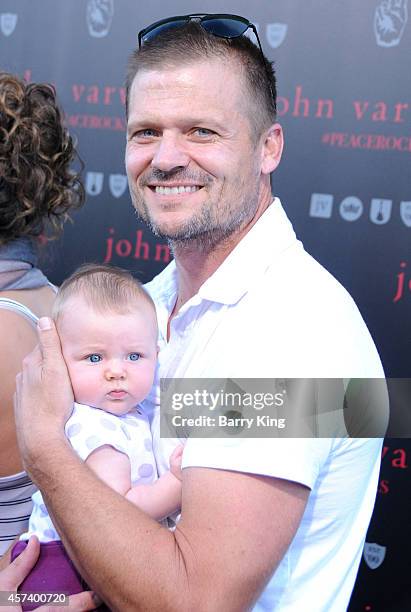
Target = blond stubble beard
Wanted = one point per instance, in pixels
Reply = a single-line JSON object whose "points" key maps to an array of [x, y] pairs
{"points": [[204, 231]]}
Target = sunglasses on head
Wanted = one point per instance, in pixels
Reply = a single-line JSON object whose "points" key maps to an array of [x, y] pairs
{"points": [[221, 25]]}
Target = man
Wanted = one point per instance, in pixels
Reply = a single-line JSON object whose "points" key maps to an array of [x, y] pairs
{"points": [[269, 524]]}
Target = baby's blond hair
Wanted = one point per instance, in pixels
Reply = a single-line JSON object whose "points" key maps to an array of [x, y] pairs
{"points": [[105, 288]]}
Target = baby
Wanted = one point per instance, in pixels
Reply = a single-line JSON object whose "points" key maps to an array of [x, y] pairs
{"points": [[108, 331]]}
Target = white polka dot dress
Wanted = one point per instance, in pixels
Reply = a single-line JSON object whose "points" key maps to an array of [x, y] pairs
{"points": [[89, 428]]}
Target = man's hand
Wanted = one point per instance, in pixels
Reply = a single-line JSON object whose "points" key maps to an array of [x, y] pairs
{"points": [[13, 575], [44, 397]]}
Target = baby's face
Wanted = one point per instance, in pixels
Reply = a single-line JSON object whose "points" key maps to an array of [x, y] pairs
{"points": [[111, 357]]}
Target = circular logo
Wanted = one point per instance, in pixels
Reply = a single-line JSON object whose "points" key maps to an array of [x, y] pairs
{"points": [[351, 208]]}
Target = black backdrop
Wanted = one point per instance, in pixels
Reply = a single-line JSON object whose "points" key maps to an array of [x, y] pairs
{"points": [[345, 105]]}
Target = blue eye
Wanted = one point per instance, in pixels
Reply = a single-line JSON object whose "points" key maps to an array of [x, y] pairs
{"points": [[134, 356], [145, 134], [94, 358], [202, 132]]}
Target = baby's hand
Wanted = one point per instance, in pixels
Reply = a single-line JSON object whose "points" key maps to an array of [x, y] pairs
{"points": [[175, 461]]}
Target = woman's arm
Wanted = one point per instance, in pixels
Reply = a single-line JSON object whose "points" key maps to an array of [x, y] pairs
{"points": [[17, 339]]}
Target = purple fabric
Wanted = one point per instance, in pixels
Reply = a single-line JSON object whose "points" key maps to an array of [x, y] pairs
{"points": [[54, 572]]}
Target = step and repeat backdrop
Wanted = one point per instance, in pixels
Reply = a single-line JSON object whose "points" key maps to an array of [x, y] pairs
{"points": [[344, 83]]}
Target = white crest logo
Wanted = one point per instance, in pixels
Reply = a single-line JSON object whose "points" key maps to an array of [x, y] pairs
{"points": [[276, 33], [380, 211], [374, 554], [351, 208], [99, 17], [8, 22], [390, 19], [117, 184], [405, 212], [321, 205], [94, 183]]}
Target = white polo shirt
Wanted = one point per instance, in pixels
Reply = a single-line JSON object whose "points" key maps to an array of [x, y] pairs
{"points": [[271, 311]]}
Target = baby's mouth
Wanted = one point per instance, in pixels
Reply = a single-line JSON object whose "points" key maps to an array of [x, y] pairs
{"points": [[117, 393]]}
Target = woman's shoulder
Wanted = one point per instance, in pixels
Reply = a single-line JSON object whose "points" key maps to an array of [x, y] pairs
{"points": [[38, 301]]}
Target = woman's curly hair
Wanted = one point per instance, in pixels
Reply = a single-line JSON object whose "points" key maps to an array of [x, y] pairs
{"points": [[37, 186]]}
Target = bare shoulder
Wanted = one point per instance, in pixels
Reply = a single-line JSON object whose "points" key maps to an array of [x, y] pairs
{"points": [[40, 300], [17, 337]]}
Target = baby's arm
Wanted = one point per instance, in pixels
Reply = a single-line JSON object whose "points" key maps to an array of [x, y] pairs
{"points": [[112, 467], [159, 499], [162, 497]]}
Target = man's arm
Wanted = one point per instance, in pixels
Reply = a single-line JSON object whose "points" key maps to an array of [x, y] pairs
{"points": [[235, 527], [234, 530]]}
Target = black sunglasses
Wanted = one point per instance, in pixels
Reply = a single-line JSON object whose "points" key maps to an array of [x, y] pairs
{"points": [[221, 25]]}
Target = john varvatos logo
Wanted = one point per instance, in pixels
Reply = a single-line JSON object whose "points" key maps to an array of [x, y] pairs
{"points": [[403, 284]]}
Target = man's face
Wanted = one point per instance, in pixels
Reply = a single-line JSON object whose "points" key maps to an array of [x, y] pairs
{"points": [[192, 163], [111, 357]]}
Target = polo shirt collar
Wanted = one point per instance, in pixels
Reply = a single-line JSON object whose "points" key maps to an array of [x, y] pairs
{"points": [[268, 237]]}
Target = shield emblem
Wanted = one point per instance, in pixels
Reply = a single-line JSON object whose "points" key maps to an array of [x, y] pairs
{"points": [[99, 17], [8, 22], [276, 33], [117, 184], [405, 212], [390, 19], [374, 554], [94, 183], [380, 211]]}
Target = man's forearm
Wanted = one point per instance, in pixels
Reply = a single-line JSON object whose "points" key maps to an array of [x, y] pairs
{"points": [[214, 560], [125, 556]]}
